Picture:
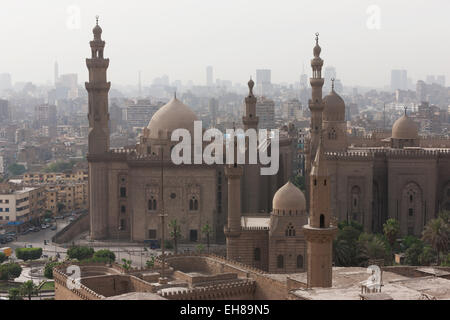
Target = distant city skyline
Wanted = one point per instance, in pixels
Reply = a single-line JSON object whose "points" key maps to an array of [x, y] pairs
{"points": [[182, 38]]}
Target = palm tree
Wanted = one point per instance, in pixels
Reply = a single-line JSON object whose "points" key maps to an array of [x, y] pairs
{"points": [[14, 294], [28, 288], [206, 229], [437, 234], [175, 233], [391, 230]]}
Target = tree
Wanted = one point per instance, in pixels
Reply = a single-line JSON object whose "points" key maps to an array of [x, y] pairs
{"points": [[3, 257], [347, 250], [175, 233], [437, 234], [28, 288], [60, 206], [150, 263], [16, 169], [207, 230], [48, 270], [126, 264], [80, 253], [28, 253], [412, 255], [14, 294], [391, 231], [105, 254], [10, 271]]}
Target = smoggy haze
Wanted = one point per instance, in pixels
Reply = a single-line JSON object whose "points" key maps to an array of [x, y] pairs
{"points": [[180, 38]]}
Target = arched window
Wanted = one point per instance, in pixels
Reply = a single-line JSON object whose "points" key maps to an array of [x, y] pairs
{"points": [[300, 261], [257, 254], [280, 262], [152, 204], [193, 204], [332, 134], [290, 230], [322, 221]]}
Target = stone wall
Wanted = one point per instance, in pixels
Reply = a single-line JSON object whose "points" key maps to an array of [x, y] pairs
{"points": [[80, 225]]}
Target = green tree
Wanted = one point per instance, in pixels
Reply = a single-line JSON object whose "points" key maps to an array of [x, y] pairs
{"points": [[10, 271], [105, 254], [60, 206], [391, 231], [150, 263], [126, 264], [207, 231], [437, 234], [80, 253], [28, 253], [412, 254], [446, 261], [48, 270], [16, 169], [28, 289], [428, 256], [3, 257], [14, 294], [200, 247], [175, 233], [347, 250]]}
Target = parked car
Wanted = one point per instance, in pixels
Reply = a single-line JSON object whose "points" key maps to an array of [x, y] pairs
{"points": [[71, 219], [59, 217], [53, 228]]}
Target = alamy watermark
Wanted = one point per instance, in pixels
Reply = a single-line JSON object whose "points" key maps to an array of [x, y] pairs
{"points": [[240, 146]]}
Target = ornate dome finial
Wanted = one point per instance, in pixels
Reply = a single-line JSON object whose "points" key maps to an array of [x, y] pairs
{"points": [[251, 84], [96, 19], [97, 30], [317, 48], [332, 84]]}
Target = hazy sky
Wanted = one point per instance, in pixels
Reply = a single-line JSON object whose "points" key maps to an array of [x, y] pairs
{"points": [[181, 37]]}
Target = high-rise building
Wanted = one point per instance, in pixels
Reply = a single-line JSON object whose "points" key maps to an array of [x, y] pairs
{"points": [[56, 73], [139, 114], [5, 112], [264, 82], [440, 80], [265, 111], [213, 106], [399, 80], [45, 116], [5, 82], [209, 76]]}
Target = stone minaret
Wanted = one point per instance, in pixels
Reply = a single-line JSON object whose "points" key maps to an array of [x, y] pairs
{"points": [[233, 228], [319, 232], [98, 140], [315, 103], [98, 89], [250, 120]]}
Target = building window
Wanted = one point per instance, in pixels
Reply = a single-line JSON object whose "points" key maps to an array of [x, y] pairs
{"points": [[257, 254], [300, 261], [173, 195], [193, 204], [315, 182], [123, 209], [123, 192], [152, 234], [122, 224], [152, 204], [410, 212], [325, 182], [193, 235], [290, 230], [280, 262]]}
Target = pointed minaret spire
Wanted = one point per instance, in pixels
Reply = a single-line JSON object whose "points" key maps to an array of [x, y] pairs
{"points": [[332, 84], [250, 120], [96, 19]]}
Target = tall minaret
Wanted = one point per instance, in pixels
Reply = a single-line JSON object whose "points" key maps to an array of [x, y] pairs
{"points": [[319, 232], [315, 103], [98, 89], [98, 141], [250, 120]]}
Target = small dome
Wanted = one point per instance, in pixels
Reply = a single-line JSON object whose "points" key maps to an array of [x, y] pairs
{"points": [[316, 51], [334, 109], [173, 115], [405, 128], [289, 197]]}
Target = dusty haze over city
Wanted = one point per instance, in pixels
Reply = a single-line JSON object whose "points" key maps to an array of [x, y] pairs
{"points": [[364, 40]]}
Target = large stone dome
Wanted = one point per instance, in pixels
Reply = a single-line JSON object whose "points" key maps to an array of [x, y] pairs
{"points": [[289, 197], [405, 128], [173, 115], [334, 107]]}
